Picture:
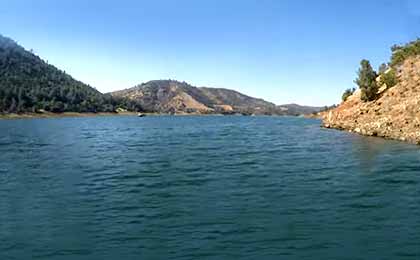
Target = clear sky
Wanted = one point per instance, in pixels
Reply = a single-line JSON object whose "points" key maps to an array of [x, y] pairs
{"points": [[299, 51]]}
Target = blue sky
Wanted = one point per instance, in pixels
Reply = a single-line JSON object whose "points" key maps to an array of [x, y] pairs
{"points": [[299, 51]]}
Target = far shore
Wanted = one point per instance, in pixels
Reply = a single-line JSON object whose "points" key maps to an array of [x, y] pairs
{"points": [[65, 114], [77, 114], [104, 114]]}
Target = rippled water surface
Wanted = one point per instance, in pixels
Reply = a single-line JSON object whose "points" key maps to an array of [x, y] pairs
{"points": [[204, 188]]}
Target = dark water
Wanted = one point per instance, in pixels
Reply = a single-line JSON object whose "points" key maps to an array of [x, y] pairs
{"points": [[204, 188]]}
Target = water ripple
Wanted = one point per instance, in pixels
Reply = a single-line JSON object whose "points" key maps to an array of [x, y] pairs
{"points": [[204, 188]]}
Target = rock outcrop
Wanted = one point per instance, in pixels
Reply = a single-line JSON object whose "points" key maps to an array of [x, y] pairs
{"points": [[395, 114]]}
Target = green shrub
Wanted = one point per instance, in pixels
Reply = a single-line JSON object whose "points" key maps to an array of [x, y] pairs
{"points": [[401, 52], [389, 78], [347, 93], [382, 69]]}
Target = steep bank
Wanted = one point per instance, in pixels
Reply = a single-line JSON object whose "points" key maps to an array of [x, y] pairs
{"points": [[395, 114]]}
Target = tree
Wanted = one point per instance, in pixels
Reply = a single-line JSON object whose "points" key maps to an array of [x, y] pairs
{"points": [[401, 52], [383, 68], [57, 107], [347, 93], [12, 107], [366, 81]]}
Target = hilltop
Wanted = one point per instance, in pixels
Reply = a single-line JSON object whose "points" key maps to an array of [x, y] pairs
{"points": [[169, 96]]}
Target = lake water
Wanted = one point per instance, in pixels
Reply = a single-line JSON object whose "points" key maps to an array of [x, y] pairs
{"points": [[204, 188]]}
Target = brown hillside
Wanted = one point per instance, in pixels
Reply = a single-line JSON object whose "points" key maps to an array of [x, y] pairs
{"points": [[395, 114]]}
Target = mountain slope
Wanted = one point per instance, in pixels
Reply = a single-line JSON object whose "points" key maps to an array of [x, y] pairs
{"points": [[29, 84], [169, 96], [395, 114]]}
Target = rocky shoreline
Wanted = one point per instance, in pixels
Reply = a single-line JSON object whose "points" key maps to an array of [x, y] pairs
{"points": [[374, 132]]}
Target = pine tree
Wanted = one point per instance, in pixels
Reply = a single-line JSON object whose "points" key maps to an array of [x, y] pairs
{"points": [[382, 69], [367, 81], [347, 93]]}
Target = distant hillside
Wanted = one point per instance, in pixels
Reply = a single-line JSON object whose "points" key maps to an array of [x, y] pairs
{"points": [[29, 84], [169, 96], [294, 109]]}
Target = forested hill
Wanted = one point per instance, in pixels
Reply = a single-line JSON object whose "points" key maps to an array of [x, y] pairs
{"points": [[29, 84]]}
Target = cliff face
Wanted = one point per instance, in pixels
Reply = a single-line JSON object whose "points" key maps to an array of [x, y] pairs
{"points": [[395, 114]]}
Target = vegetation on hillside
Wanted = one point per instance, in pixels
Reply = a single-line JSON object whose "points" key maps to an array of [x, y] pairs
{"points": [[366, 81], [401, 52], [387, 73], [347, 93], [171, 96], [29, 84], [383, 68], [388, 78]]}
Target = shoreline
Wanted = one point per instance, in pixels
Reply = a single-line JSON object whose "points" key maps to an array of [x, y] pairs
{"points": [[405, 138], [46, 115], [63, 115], [11, 116]]}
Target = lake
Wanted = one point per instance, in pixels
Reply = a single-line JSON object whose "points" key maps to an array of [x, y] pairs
{"points": [[208, 187]]}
